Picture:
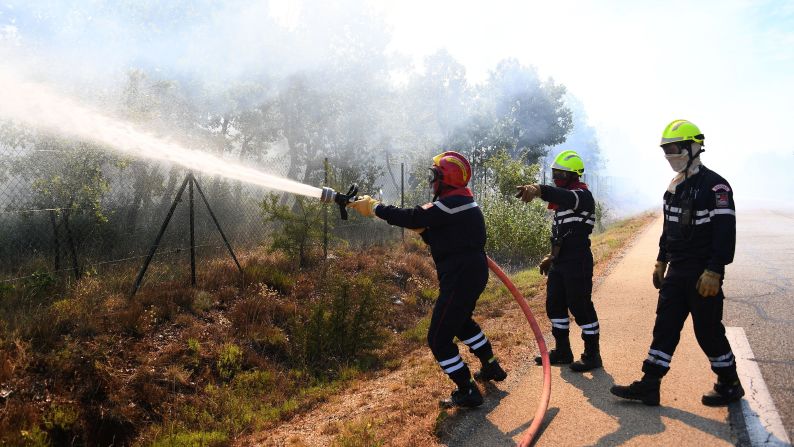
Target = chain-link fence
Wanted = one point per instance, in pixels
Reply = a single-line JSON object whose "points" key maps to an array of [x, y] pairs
{"points": [[65, 213], [68, 213]]}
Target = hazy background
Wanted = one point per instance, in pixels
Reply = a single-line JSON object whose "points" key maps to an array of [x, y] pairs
{"points": [[728, 66]]}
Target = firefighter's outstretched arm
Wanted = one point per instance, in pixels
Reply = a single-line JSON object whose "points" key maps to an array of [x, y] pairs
{"points": [[567, 199], [412, 218]]}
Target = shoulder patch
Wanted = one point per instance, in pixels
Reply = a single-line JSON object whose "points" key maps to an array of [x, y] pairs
{"points": [[722, 199], [721, 187], [427, 206]]}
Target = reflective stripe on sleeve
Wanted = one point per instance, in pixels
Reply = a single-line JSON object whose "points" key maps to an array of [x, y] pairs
{"points": [[576, 205]]}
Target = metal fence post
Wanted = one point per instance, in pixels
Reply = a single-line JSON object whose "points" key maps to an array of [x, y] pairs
{"points": [[325, 211], [156, 243], [402, 193], [192, 233]]}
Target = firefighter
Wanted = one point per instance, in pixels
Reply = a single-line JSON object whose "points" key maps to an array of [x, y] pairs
{"points": [[697, 242], [454, 227], [569, 266]]}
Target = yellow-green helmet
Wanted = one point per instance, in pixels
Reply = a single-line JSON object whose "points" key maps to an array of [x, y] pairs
{"points": [[569, 161], [681, 130]]}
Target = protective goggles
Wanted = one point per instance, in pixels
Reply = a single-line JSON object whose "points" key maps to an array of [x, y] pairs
{"points": [[434, 176], [676, 148], [558, 174]]}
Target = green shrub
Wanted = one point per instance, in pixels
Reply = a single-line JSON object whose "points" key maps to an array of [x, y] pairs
{"points": [[518, 233], [39, 283], [61, 417], [342, 327], [35, 437], [418, 333], [230, 361], [270, 275], [427, 295], [299, 227]]}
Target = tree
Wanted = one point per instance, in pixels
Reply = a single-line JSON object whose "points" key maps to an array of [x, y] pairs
{"points": [[298, 229], [517, 113], [68, 186]]}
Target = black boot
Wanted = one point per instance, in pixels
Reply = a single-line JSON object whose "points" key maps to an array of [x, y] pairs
{"points": [[591, 359], [467, 397], [557, 357], [491, 370], [724, 392], [587, 362], [646, 391]]}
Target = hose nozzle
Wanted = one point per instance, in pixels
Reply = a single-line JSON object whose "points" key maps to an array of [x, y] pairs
{"points": [[330, 196]]}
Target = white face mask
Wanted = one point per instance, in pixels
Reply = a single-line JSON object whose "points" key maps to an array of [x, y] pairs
{"points": [[678, 161]]}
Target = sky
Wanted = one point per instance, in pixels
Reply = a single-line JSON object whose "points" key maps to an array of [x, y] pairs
{"points": [[728, 66]]}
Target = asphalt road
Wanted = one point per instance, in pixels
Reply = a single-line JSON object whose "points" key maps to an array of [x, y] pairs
{"points": [[759, 287]]}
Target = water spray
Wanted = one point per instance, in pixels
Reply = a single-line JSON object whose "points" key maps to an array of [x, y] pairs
{"points": [[40, 107]]}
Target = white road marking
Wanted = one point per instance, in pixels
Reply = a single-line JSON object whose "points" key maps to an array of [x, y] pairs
{"points": [[761, 418]]}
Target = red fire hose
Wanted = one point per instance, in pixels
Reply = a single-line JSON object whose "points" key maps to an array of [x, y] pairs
{"points": [[544, 353]]}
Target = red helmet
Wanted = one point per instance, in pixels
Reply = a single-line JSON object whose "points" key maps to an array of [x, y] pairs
{"points": [[451, 168]]}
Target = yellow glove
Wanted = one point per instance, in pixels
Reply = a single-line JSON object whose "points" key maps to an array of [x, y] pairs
{"points": [[709, 283], [417, 230], [528, 193], [545, 264], [658, 273], [365, 205]]}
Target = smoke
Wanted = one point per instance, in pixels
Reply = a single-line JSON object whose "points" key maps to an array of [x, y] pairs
{"points": [[213, 41], [37, 106]]}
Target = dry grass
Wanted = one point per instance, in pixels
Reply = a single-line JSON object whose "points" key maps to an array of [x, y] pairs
{"points": [[177, 365]]}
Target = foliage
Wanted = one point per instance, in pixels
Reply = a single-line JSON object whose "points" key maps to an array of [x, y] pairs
{"points": [[341, 327], [517, 113], [298, 229], [518, 233], [229, 361], [507, 173]]}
